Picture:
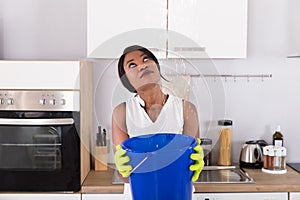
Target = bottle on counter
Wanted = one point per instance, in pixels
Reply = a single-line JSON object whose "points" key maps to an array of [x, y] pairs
{"points": [[225, 143], [206, 145], [278, 138]]}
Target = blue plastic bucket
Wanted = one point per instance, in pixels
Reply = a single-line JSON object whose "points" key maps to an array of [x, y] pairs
{"points": [[160, 166]]}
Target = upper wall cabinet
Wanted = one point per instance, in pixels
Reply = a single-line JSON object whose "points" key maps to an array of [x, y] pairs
{"points": [[114, 25], [170, 28], [216, 26], [293, 29]]}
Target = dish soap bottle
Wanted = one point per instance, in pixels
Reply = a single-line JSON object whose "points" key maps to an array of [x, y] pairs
{"points": [[278, 138]]}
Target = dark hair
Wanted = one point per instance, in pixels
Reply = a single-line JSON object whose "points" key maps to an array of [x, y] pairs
{"points": [[121, 70]]}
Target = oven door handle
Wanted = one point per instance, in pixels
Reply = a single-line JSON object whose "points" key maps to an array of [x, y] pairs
{"points": [[54, 121]]}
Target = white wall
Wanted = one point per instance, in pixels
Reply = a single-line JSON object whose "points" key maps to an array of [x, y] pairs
{"points": [[47, 29], [56, 30]]}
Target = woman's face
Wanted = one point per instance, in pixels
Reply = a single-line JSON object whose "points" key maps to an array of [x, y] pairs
{"points": [[141, 70]]}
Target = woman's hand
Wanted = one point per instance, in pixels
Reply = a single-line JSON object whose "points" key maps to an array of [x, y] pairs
{"points": [[121, 160], [197, 156]]}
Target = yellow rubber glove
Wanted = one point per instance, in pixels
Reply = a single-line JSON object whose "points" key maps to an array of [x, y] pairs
{"points": [[197, 156], [121, 160]]}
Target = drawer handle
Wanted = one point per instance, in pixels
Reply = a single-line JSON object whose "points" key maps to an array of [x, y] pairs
{"points": [[36, 122]]}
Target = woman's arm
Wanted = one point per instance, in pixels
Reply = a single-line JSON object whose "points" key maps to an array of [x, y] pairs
{"points": [[190, 126], [119, 130]]}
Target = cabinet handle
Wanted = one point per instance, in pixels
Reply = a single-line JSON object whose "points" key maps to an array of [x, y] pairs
{"points": [[189, 48], [155, 49]]}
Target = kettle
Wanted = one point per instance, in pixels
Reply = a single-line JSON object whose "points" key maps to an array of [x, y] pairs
{"points": [[251, 155]]}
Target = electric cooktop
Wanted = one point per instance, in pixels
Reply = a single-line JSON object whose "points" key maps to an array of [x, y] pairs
{"points": [[295, 166]]}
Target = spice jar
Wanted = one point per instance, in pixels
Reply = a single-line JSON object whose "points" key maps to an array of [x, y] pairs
{"points": [[277, 158], [283, 158], [271, 158], [266, 156], [225, 142], [206, 145]]}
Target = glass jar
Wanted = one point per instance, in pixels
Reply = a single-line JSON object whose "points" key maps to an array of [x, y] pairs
{"points": [[277, 158], [266, 156], [225, 142], [283, 158], [206, 145], [271, 158]]}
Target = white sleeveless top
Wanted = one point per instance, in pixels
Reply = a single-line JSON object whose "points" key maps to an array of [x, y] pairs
{"points": [[170, 120]]}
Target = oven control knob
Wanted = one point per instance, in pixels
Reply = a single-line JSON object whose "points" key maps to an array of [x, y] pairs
{"points": [[1, 101], [42, 101], [10, 101], [52, 101], [62, 102]]}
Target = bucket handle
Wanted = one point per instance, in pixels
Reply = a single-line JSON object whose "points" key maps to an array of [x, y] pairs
{"points": [[138, 165]]}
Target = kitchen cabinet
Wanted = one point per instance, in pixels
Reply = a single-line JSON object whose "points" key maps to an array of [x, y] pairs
{"points": [[218, 27], [293, 29], [51, 74], [102, 197], [110, 197], [171, 29], [244, 196], [114, 25], [57, 75], [294, 196], [40, 196]]}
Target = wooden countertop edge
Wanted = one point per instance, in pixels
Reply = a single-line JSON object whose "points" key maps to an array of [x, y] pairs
{"points": [[100, 182], [207, 188], [289, 182], [114, 189]]}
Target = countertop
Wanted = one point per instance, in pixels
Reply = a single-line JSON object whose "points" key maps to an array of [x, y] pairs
{"points": [[100, 182]]}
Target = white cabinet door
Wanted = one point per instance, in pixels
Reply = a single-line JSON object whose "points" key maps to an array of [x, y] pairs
{"points": [[294, 195], [40, 74], [111, 197], [40, 196], [216, 25], [241, 196], [102, 196], [113, 25], [293, 28], [182, 28]]}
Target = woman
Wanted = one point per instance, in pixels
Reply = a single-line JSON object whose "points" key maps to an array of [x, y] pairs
{"points": [[150, 110]]}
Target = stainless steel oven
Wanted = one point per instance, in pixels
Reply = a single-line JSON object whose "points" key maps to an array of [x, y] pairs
{"points": [[39, 140]]}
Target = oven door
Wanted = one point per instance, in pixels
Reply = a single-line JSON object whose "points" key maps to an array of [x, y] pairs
{"points": [[39, 155]]}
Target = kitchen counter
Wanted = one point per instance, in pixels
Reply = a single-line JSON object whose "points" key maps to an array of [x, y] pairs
{"points": [[289, 182], [100, 182]]}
